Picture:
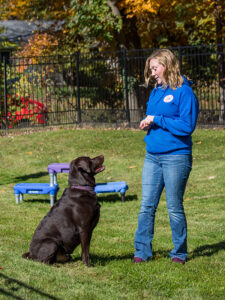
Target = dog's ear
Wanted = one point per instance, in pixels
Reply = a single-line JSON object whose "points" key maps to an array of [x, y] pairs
{"points": [[84, 164]]}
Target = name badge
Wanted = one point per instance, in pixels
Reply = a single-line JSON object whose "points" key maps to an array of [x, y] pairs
{"points": [[168, 98]]}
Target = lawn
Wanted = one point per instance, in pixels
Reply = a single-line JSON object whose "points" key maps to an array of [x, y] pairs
{"points": [[25, 157]]}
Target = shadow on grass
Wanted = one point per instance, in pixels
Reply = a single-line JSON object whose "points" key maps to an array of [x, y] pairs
{"points": [[115, 198], [207, 250], [13, 286], [100, 260], [30, 176], [14, 180], [108, 198], [35, 200]]}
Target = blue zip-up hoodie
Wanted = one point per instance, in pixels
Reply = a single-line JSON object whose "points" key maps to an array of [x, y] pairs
{"points": [[175, 115]]}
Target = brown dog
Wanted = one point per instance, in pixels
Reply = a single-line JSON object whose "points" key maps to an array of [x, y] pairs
{"points": [[72, 219]]}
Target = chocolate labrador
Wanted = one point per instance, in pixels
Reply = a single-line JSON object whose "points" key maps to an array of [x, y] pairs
{"points": [[71, 220]]}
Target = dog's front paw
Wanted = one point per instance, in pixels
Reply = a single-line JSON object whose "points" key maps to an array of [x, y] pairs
{"points": [[86, 262]]}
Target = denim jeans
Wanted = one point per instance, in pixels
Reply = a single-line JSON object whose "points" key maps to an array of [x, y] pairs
{"points": [[171, 172]]}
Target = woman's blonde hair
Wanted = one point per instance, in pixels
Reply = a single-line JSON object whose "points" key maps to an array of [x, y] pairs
{"points": [[171, 75]]}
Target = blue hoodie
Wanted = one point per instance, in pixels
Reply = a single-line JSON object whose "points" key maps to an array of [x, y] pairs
{"points": [[175, 115]]}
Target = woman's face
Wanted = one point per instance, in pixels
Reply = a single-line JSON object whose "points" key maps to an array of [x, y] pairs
{"points": [[157, 70]]}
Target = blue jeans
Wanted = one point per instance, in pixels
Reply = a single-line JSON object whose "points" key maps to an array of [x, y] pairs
{"points": [[171, 172]]}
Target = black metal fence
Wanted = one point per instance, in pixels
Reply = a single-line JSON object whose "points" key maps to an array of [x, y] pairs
{"points": [[101, 87]]}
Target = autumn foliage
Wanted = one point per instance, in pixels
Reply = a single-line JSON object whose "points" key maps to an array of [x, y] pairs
{"points": [[111, 24], [39, 44]]}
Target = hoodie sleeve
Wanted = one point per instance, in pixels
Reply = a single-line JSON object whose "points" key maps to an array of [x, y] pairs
{"points": [[185, 123]]}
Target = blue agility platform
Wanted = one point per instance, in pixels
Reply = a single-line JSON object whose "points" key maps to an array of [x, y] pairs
{"points": [[112, 187], [35, 188]]}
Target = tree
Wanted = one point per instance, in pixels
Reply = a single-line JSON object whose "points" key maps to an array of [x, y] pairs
{"points": [[76, 24], [94, 22], [155, 20], [203, 20], [38, 11], [112, 24], [33, 10]]}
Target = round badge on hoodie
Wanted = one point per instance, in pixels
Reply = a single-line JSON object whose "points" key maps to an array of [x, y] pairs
{"points": [[168, 98]]}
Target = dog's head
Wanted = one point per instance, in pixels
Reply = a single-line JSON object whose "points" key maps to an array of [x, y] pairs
{"points": [[83, 169]]}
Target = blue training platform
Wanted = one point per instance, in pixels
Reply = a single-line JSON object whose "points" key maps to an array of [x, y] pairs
{"points": [[35, 188], [45, 188], [112, 187]]}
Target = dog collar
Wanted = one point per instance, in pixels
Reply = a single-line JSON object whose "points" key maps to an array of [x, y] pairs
{"points": [[83, 187]]}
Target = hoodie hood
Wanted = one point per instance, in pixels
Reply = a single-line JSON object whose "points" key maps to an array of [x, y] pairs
{"points": [[187, 81]]}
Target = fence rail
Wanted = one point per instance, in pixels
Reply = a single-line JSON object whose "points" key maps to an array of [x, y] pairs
{"points": [[101, 87]]}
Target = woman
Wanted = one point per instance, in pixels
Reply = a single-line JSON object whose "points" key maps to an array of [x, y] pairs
{"points": [[172, 112]]}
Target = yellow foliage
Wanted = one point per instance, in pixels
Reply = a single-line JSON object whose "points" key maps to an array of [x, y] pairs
{"points": [[157, 20], [33, 9], [154, 20], [209, 17], [39, 45], [138, 8]]}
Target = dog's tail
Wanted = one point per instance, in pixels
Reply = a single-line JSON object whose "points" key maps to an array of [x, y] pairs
{"points": [[26, 255]]}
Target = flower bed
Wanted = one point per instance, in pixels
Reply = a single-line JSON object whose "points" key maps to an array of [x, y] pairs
{"points": [[25, 110]]}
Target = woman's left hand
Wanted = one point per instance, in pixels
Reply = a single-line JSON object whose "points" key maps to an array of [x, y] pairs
{"points": [[146, 122], [149, 119]]}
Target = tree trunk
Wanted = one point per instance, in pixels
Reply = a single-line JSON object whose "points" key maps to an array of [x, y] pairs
{"points": [[128, 37], [220, 56]]}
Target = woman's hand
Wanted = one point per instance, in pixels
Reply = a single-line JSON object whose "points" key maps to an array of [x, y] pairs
{"points": [[146, 123]]}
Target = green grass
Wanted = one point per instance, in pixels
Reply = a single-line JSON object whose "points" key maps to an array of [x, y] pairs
{"points": [[25, 157]]}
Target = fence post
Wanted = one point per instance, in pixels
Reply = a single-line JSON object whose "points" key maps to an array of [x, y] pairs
{"points": [[180, 59], [77, 56], [220, 63], [126, 86], [5, 95]]}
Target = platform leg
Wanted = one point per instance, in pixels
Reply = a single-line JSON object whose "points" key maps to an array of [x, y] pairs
{"points": [[55, 178], [17, 198], [21, 197], [52, 199], [123, 197], [51, 179]]}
